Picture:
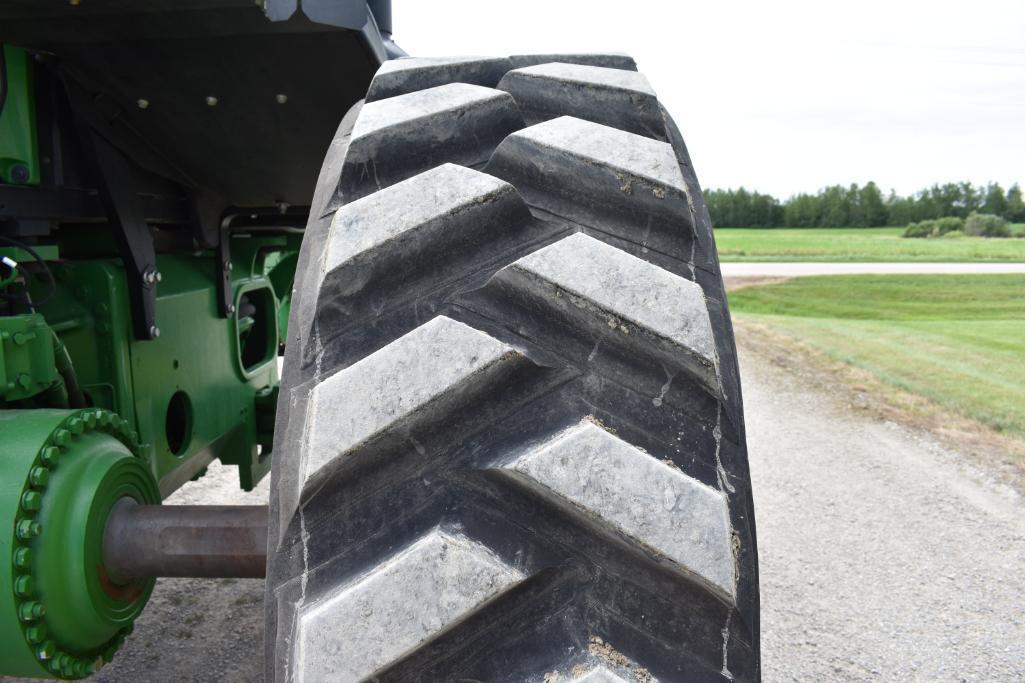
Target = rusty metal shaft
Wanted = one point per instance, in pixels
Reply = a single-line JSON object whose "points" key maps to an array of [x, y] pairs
{"points": [[185, 540]]}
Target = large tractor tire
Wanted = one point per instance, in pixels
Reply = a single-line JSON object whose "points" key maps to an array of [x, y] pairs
{"points": [[510, 444]]}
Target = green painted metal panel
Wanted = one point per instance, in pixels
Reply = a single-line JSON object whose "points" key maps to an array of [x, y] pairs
{"points": [[19, 146]]}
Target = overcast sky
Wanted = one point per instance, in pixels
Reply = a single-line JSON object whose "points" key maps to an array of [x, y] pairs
{"points": [[789, 96]]}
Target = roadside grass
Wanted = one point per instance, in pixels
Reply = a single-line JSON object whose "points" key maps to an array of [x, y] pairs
{"points": [[861, 244], [957, 340]]}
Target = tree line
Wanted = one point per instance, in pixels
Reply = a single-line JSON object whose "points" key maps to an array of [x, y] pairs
{"points": [[862, 207]]}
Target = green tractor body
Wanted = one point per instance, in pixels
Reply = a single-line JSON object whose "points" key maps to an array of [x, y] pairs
{"points": [[157, 160]]}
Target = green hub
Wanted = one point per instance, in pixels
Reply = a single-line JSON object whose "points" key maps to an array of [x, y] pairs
{"points": [[62, 472]]}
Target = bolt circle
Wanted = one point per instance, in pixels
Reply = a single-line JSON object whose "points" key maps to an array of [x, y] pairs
{"points": [[32, 548]]}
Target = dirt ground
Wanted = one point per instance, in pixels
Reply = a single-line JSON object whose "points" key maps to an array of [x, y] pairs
{"points": [[887, 550]]}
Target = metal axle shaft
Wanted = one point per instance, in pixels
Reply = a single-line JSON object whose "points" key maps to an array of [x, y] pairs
{"points": [[185, 540]]}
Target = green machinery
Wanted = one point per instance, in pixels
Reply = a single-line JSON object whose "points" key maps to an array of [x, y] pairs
{"points": [[156, 165]]}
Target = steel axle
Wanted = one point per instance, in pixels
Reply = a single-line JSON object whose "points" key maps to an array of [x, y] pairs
{"points": [[185, 541]]}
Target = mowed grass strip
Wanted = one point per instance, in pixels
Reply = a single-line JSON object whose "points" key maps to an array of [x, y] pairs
{"points": [[958, 340], [859, 244]]}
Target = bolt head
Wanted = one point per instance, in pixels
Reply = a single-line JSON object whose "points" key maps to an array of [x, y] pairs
{"points": [[211, 101], [39, 476], [28, 529], [231, 309], [31, 611], [142, 103], [19, 173], [23, 558], [36, 634], [154, 332], [31, 501], [281, 98], [24, 586], [47, 650], [50, 455]]}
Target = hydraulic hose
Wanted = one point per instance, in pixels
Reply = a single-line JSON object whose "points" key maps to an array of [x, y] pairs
{"points": [[66, 369]]}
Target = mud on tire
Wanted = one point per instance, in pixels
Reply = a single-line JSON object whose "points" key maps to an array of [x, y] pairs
{"points": [[510, 443]]}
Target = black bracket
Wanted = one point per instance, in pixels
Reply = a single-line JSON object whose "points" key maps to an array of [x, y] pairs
{"points": [[212, 230], [126, 213], [225, 301]]}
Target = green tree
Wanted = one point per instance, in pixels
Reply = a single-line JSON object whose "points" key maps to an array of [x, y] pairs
{"points": [[836, 207], [873, 209], [802, 211], [994, 201], [1015, 211]]}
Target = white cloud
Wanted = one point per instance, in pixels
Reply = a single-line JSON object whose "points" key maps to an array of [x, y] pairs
{"points": [[789, 96]]}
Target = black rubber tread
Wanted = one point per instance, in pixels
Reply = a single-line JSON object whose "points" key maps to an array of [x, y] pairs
{"points": [[409, 74], [614, 97], [610, 60], [460, 331], [398, 137]]}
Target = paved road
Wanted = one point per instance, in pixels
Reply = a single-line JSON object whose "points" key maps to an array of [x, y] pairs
{"points": [[781, 269], [883, 557]]}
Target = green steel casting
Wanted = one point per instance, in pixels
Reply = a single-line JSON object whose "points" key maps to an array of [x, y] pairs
{"points": [[27, 361], [62, 472]]}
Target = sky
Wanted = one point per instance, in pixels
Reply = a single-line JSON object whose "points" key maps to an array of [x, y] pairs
{"points": [[788, 96]]}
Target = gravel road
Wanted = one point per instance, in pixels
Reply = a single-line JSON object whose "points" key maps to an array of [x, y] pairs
{"points": [[883, 556]]}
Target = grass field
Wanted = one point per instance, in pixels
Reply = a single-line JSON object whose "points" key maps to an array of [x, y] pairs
{"points": [[859, 244], [958, 340]]}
